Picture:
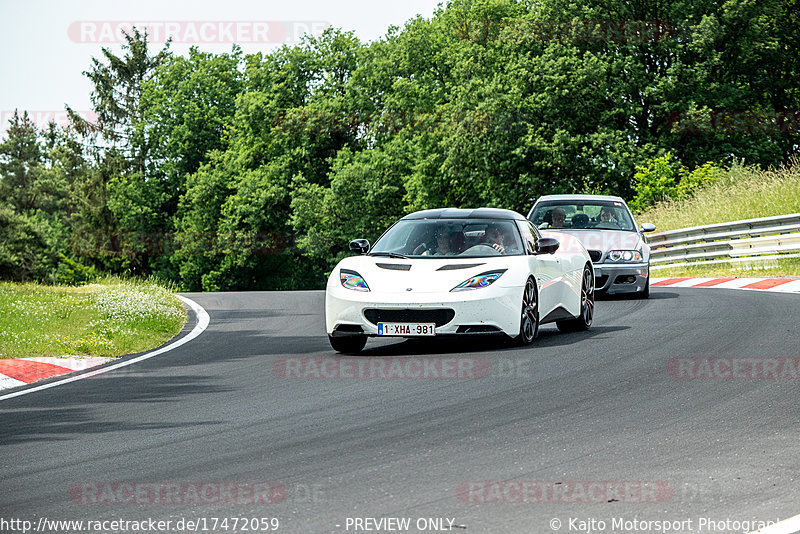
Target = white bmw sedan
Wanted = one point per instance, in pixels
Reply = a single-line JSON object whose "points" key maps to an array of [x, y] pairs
{"points": [[459, 272], [606, 227]]}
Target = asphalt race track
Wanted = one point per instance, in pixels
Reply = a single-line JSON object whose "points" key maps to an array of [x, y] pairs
{"points": [[586, 408]]}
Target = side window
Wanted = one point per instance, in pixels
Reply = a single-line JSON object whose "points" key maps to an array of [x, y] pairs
{"points": [[529, 235], [536, 235]]}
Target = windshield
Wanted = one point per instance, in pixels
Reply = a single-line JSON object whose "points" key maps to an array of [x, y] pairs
{"points": [[593, 215], [450, 237]]}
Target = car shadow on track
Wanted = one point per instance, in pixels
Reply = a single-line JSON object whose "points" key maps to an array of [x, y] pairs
{"points": [[654, 295], [251, 344], [659, 295], [547, 338], [555, 338]]}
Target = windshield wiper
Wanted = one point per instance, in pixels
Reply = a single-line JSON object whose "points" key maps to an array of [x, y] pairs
{"points": [[389, 255]]}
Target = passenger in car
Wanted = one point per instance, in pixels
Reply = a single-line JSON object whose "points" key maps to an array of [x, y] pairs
{"points": [[607, 214], [445, 239], [559, 216]]}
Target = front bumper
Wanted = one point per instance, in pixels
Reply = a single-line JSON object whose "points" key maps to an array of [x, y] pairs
{"points": [[486, 310], [620, 278]]}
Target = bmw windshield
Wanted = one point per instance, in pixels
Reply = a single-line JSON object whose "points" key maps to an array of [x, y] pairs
{"points": [[594, 215], [431, 238]]}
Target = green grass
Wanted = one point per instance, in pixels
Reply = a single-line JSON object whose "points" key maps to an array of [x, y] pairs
{"points": [[779, 268], [112, 317], [741, 193]]}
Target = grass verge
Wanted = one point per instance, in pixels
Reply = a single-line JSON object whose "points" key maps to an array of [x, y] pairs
{"points": [[112, 317], [777, 268], [740, 193]]}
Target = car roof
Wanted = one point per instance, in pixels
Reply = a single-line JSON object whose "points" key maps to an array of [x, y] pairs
{"points": [[607, 198], [457, 213]]}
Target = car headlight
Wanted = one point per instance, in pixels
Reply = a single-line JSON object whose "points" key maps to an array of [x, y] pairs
{"points": [[353, 280], [479, 281], [624, 256]]}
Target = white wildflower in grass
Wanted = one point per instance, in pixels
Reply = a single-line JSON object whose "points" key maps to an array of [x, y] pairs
{"points": [[127, 303]]}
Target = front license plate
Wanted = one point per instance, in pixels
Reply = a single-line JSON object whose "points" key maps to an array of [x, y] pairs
{"points": [[406, 329]]}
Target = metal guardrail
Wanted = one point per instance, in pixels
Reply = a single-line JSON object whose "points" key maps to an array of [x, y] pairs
{"points": [[765, 238]]}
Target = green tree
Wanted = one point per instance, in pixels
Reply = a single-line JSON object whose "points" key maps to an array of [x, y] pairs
{"points": [[188, 104], [291, 120], [131, 185], [21, 166], [266, 165], [364, 198], [27, 247], [32, 203]]}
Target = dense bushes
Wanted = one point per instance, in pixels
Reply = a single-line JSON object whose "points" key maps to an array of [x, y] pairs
{"points": [[664, 178]]}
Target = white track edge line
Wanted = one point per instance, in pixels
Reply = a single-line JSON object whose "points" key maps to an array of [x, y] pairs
{"points": [[790, 525], [203, 320]]}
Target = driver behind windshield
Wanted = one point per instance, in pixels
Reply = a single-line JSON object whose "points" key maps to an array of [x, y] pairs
{"points": [[498, 238]]}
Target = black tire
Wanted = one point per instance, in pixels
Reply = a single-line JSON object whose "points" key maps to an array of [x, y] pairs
{"points": [[584, 320], [529, 319], [348, 344]]}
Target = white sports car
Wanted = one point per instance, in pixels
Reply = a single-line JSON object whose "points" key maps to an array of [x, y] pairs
{"points": [[460, 272]]}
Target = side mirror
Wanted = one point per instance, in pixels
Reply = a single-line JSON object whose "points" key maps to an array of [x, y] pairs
{"points": [[647, 227], [360, 246], [547, 245]]}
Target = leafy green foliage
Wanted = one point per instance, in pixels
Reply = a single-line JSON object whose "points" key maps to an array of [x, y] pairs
{"points": [[256, 170], [365, 196], [73, 273], [664, 178], [26, 245]]}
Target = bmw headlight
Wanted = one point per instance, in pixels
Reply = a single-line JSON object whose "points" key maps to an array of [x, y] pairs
{"points": [[479, 281], [624, 256], [353, 280]]}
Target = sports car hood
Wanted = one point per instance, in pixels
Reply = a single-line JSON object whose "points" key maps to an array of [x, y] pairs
{"points": [[605, 240], [428, 275]]}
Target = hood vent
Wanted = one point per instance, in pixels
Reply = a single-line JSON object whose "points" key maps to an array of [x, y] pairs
{"points": [[394, 266], [457, 266]]}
